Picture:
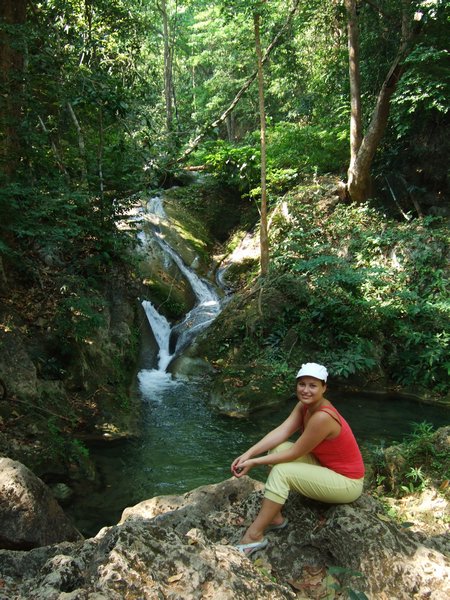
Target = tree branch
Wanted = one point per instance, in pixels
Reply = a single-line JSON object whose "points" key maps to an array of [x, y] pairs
{"points": [[54, 148], [81, 145]]}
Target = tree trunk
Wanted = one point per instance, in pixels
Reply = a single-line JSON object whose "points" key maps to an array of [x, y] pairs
{"points": [[263, 236], [359, 174], [12, 13], [56, 153], [168, 84], [359, 182], [100, 161], [81, 145], [355, 82], [230, 125]]}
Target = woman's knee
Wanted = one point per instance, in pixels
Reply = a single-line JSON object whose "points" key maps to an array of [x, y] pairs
{"points": [[280, 447]]}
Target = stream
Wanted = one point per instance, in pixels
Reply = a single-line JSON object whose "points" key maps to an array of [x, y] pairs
{"points": [[184, 443]]}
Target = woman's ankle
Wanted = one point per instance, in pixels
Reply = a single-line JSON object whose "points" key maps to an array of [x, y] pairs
{"points": [[277, 520], [252, 535]]}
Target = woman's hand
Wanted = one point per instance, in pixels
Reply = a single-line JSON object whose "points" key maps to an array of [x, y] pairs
{"points": [[240, 467], [236, 462]]}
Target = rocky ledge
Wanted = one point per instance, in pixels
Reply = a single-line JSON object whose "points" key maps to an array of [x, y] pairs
{"points": [[173, 547]]}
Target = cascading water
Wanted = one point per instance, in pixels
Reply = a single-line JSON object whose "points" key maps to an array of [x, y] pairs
{"points": [[173, 340], [184, 444]]}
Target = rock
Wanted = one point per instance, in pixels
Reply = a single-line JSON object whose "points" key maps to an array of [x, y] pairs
{"points": [[187, 367], [176, 547], [29, 514], [395, 462], [442, 439], [394, 562], [17, 370]]}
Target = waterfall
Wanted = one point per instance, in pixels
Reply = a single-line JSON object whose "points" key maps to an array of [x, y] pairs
{"points": [[172, 340]]}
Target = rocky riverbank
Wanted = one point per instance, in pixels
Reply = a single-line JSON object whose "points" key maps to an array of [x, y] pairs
{"points": [[172, 547], [51, 401]]}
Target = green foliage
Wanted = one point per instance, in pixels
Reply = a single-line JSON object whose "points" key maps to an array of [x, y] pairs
{"points": [[424, 464], [426, 84], [417, 481], [67, 231], [351, 289], [293, 151], [415, 149], [236, 166], [79, 316], [64, 448], [348, 573], [371, 290], [308, 148]]}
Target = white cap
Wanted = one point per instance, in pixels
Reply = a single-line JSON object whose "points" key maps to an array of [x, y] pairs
{"points": [[313, 370]]}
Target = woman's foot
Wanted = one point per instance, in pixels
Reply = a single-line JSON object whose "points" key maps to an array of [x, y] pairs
{"points": [[248, 549], [252, 536]]}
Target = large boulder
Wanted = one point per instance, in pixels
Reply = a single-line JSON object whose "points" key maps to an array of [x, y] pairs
{"points": [[29, 514], [182, 547]]}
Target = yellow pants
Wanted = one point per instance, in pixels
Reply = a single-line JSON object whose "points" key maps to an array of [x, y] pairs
{"points": [[307, 476]]}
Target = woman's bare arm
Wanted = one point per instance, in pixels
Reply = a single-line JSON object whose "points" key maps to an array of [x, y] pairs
{"points": [[273, 438], [319, 427]]}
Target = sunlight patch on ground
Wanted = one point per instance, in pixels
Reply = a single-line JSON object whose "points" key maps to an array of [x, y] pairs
{"points": [[247, 248], [429, 511]]}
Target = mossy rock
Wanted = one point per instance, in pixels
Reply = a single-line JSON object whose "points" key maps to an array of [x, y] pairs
{"points": [[254, 390]]}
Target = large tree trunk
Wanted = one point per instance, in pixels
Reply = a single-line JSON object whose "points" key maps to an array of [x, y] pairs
{"points": [[355, 82], [12, 12], [359, 182], [168, 83], [263, 236]]}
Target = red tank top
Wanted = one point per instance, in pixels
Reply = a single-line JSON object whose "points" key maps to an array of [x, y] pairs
{"points": [[342, 453]]}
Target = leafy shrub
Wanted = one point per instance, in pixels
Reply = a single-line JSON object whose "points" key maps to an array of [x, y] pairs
{"points": [[423, 463], [307, 148], [371, 291], [294, 150], [79, 315], [237, 166]]}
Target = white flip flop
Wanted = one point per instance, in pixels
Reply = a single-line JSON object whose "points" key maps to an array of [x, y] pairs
{"points": [[248, 549]]}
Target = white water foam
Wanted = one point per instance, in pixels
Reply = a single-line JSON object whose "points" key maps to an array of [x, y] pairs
{"points": [[152, 382]]}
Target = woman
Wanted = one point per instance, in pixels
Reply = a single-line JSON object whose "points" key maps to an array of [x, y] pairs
{"points": [[324, 463]]}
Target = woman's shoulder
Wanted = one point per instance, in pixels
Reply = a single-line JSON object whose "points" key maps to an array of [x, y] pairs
{"points": [[327, 406], [324, 413]]}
